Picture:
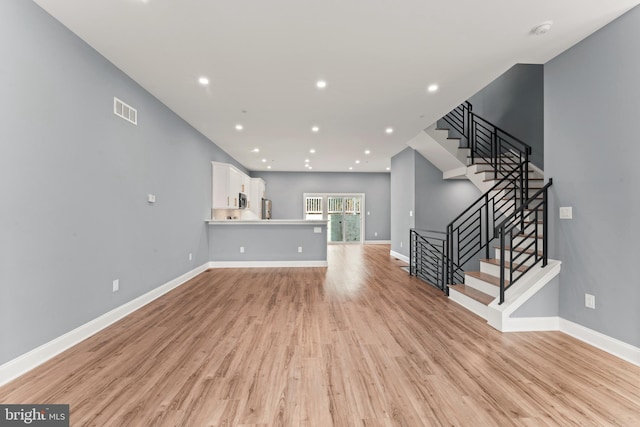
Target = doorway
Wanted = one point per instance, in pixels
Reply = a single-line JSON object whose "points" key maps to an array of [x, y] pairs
{"points": [[343, 212]]}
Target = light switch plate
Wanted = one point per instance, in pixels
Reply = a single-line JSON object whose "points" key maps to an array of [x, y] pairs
{"points": [[317, 229], [566, 212]]}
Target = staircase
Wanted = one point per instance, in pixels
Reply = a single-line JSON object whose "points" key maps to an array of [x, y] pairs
{"points": [[504, 232]]}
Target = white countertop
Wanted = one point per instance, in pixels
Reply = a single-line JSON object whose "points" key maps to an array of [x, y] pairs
{"points": [[267, 222]]}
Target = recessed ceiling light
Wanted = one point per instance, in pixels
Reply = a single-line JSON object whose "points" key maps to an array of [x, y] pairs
{"points": [[239, 127], [433, 88], [255, 150], [389, 130], [310, 168], [315, 129], [264, 160], [312, 151], [367, 151], [357, 162], [388, 168], [269, 167], [350, 168], [202, 80], [321, 84], [306, 160]]}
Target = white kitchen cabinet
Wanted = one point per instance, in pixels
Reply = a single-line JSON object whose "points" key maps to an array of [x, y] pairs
{"points": [[227, 184], [257, 193]]}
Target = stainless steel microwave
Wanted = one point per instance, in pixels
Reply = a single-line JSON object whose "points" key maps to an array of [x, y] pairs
{"points": [[242, 201]]}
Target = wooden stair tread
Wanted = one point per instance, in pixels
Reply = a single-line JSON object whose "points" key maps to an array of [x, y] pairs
{"points": [[506, 264], [473, 293], [488, 278]]}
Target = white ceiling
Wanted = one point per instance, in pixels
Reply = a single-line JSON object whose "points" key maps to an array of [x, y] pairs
{"points": [[263, 59]]}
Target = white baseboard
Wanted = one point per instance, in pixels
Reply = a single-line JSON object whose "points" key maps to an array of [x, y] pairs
{"points": [[527, 324], [26, 362], [377, 242], [604, 342], [268, 264], [399, 256]]}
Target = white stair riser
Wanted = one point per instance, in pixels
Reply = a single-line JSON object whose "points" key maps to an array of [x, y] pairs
{"points": [[481, 285], [520, 259], [525, 241], [494, 270], [469, 303]]}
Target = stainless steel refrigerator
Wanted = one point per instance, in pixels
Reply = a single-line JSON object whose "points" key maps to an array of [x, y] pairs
{"points": [[266, 209]]}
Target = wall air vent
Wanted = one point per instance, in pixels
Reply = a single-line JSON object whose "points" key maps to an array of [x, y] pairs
{"points": [[125, 111]]}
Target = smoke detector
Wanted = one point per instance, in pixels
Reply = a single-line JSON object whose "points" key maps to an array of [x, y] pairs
{"points": [[543, 28]]}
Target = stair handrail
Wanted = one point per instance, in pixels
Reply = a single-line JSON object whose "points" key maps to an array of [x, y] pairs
{"points": [[430, 267], [495, 145], [482, 205], [515, 221], [459, 119]]}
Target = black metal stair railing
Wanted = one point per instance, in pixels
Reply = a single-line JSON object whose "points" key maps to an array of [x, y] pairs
{"points": [[501, 213], [523, 243], [475, 228], [459, 120], [426, 255]]}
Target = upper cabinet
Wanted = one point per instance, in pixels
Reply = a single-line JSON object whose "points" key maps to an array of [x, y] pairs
{"points": [[227, 184], [257, 193]]}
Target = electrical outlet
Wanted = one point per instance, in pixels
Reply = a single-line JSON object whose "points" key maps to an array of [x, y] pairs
{"points": [[241, 249], [589, 301], [317, 230], [116, 285], [151, 198], [375, 234], [566, 212], [190, 256], [400, 244], [410, 213], [299, 249]]}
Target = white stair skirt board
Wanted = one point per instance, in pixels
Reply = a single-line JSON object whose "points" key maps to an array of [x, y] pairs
{"points": [[437, 149], [519, 293], [399, 256], [268, 264], [468, 303], [26, 362]]}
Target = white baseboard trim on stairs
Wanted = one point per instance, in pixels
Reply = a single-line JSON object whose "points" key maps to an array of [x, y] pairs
{"points": [[399, 256], [528, 324], [604, 342], [266, 264], [28, 361]]}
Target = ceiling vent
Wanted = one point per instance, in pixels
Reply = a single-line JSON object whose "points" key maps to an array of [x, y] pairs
{"points": [[125, 111]]}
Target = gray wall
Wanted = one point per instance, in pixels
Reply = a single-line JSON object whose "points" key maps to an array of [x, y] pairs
{"points": [[272, 242], [514, 102], [439, 201], [74, 180], [545, 303], [286, 190], [420, 198], [592, 106], [403, 196]]}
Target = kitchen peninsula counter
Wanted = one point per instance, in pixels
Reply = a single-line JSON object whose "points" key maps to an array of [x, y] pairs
{"points": [[267, 243]]}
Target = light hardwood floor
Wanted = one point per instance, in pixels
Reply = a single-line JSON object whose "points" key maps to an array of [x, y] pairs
{"points": [[357, 344]]}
